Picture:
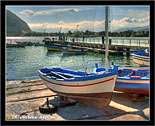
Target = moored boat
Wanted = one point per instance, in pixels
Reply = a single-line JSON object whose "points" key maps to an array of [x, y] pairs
{"points": [[54, 48], [75, 52], [91, 89], [132, 81], [141, 58]]}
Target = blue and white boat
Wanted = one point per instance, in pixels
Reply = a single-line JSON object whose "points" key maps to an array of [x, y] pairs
{"points": [[57, 48], [92, 89], [132, 81], [141, 58]]}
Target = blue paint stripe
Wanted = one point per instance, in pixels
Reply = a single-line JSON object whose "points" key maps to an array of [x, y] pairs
{"points": [[87, 78], [136, 86]]}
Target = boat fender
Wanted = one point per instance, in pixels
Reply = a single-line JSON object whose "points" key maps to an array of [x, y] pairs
{"points": [[136, 77], [86, 74], [47, 108], [119, 71], [132, 73]]}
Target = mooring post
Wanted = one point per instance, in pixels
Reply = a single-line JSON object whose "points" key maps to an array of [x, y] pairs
{"points": [[47, 102], [127, 52]]}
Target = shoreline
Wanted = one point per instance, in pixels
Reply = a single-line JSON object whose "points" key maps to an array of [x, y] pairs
{"points": [[24, 99]]}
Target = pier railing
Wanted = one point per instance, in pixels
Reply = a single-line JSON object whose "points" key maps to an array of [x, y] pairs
{"points": [[140, 42]]}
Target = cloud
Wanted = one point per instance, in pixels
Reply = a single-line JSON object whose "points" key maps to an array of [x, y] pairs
{"points": [[83, 25], [27, 12], [97, 25], [130, 22], [47, 12], [130, 12], [138, 13]]}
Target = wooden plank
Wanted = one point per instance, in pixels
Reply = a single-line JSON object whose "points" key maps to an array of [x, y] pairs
{"points": [[25, 89], [29, 95], [18, 84]]}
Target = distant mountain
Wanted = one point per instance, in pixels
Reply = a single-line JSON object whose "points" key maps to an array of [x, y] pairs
{"points": [[145, 28], [15, 25]]}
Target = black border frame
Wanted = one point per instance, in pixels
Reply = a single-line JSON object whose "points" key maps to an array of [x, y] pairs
{"points": [[78, 2]]}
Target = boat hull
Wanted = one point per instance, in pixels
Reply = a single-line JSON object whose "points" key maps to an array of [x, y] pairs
{"points": [[53, 49], [95, 100], [132, 86], [95, 93], [141, 59], [132, 90], [132, 81]]}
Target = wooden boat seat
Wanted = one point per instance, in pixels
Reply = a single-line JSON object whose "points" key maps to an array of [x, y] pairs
{"points": [[142, 74], [123, 73]]}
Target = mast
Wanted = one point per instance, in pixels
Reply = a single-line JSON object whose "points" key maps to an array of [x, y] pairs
{"points": [[107, 39]]}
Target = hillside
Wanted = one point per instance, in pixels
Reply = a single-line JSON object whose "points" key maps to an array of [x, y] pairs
{"points": [[145, 28], [15, 25]]}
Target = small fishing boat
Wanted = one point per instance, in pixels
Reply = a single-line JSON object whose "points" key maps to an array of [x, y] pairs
{"points": [[75, 52], [54, 48], [91, 89], [141, 58], [132, 81], [57, 48]]}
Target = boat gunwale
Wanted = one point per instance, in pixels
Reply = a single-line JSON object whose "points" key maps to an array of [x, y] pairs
{"points": [[81, 78]]}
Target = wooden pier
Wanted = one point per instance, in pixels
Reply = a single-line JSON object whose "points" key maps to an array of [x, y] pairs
{"points": [[115, 45], [24, 98]]}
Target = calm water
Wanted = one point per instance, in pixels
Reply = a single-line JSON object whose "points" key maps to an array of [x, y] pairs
{"points": [[23, 63]]}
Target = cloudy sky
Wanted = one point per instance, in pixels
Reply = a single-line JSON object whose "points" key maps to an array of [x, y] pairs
{"points": [[54, 18]]}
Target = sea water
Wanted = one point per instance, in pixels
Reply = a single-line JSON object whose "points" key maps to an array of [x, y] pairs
{"points": [[23, 63]]}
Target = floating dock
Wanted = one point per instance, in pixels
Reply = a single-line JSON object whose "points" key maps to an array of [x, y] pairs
{"points": [[24, 98]]}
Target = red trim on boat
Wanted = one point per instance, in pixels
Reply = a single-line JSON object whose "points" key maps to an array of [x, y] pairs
{"points": [[139, 59], [136, 77], [142, 69], [127, 69], [132, 73], [78, 85]]}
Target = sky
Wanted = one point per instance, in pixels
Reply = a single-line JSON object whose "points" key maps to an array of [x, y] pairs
{"points": [[84, 17]]}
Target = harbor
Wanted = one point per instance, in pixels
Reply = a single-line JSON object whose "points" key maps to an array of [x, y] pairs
{"points": [[23, 99], [26, 107], [117, 45], [85, 75]]}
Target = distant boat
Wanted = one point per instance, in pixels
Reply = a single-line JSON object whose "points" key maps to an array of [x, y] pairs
{"points": [[46, 40], [54, 48], [57, 48], [12, 43], [92, 89], [142, 58], [131, 81], [75, 52]]}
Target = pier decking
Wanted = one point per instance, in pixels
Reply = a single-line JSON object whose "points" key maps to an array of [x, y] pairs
{"points": [[115, 45], [24, 98]]}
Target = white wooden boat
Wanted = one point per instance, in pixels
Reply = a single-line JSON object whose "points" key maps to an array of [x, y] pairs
{"points": [[91, 89], [141, 58], [131, 81]]}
